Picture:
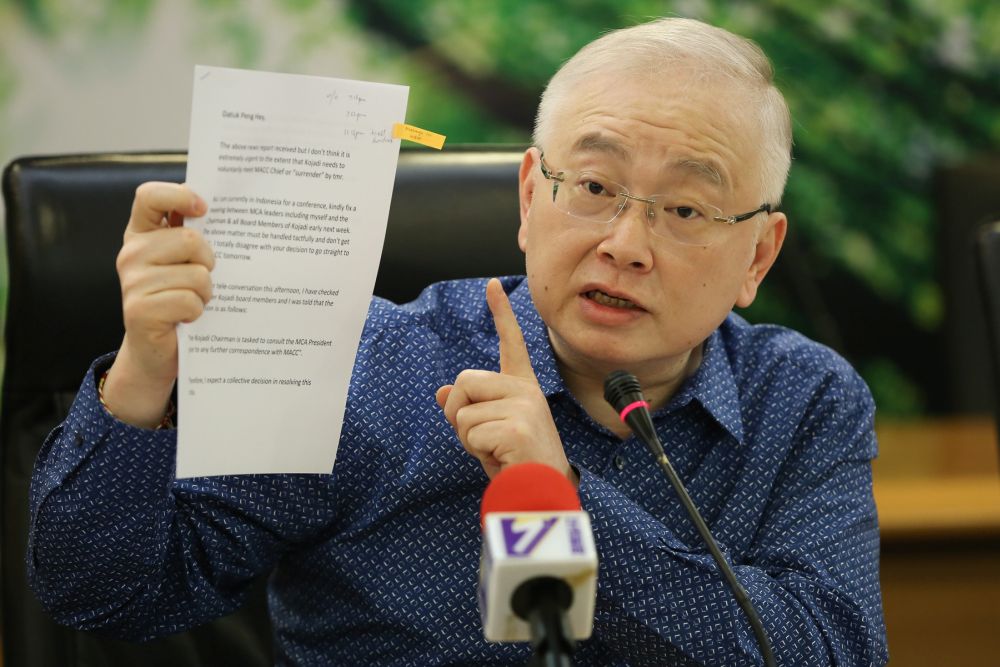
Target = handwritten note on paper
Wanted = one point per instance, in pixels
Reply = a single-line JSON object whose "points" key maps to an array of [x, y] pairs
{"points": [[298, 173]]}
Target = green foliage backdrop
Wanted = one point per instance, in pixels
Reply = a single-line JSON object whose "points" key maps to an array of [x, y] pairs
{"points": [[882, 94]]}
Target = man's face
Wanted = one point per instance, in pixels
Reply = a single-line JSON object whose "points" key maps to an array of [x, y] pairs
{"points": [[657, 137]]}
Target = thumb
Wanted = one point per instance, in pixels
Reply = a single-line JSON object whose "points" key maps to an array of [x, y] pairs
{"points": [[441, 396]]}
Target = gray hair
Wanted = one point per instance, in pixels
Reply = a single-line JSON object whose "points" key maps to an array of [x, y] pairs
{"points": [[713, 52]]}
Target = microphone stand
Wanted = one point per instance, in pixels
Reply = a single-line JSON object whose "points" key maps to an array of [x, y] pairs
{"points": [[622, 391], [543, 602]]}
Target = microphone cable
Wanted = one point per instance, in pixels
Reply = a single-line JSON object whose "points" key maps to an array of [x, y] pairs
{"points": [[622, 391]]}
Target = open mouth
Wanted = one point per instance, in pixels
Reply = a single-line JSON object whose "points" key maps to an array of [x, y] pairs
{"points": [[608, 300]]}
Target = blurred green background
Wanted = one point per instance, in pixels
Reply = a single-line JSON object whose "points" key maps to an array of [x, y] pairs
{"points": [[884, 95]]}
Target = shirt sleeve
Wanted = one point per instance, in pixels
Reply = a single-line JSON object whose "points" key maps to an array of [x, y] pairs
{"points": [[811, 571], [116, 544]]}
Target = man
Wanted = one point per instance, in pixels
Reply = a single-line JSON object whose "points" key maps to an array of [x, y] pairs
{"points": [[376, 562]]}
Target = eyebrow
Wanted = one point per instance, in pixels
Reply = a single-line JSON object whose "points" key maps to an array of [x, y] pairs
{"points": [[595, 142], [704, 169]]}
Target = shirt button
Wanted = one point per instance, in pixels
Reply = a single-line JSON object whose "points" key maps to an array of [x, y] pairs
{"points": [[620, 462]]}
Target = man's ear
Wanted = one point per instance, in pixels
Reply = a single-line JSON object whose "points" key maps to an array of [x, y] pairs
{"points": [[769, 240], [526, 191]]}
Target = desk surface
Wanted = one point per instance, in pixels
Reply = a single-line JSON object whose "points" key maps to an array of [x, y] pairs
{"points": [[938, 479]]}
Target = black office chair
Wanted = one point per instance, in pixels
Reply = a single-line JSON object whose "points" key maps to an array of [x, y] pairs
{"points": [[454, 214], [988, 269]]}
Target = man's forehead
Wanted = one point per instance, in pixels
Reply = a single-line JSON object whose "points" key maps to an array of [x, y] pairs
{"points": [[595, 142], [701, 167]]}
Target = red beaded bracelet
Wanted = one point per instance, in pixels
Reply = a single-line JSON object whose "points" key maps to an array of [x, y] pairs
{"points": [[166, 422]]}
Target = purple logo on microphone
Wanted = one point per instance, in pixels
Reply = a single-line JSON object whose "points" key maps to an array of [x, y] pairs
{"points": [[521, 541], [575, 535]]}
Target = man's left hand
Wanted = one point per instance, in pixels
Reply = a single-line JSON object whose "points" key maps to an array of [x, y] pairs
{"points": [[503, 418]]}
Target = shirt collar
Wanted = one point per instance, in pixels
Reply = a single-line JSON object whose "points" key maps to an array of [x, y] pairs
{"points": [[714, 387]]}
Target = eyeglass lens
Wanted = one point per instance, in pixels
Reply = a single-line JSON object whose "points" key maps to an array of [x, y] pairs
{"points": [[592, 197]]}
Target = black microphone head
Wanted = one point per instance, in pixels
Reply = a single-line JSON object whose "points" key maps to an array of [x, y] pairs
{"points": [[622, 391], [621, 388]]}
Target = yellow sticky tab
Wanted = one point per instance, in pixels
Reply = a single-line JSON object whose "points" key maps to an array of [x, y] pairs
{"points": [[418, 136]]}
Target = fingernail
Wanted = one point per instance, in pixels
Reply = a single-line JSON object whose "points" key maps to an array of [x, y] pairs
{"points": [[199, 205]]}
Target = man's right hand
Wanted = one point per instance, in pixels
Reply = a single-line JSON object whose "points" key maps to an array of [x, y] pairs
{"points": [[164, 270]]}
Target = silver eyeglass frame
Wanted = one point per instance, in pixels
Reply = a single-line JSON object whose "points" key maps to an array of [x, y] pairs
{"points": [[556, 177]]}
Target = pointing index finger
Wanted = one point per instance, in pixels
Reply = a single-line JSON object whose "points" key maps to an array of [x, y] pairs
{"points": [[514, 359]]}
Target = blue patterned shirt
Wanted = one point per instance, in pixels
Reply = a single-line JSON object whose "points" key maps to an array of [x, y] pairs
{"points": [[377, 562]]}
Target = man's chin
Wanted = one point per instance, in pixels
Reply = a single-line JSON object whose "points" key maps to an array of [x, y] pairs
{"points": [[600, 351]]}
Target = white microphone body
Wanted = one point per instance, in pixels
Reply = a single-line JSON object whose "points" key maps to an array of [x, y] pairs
{"points": [[522, 546]]}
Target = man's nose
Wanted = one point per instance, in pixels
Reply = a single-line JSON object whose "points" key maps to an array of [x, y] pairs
{"points": [[628, 240]]}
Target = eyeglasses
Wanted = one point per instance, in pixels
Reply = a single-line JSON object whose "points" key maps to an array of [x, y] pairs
{"points": [[589, 196]]}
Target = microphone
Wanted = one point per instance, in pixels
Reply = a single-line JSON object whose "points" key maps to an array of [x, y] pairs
{"points": [[622, 391], [538, 570]]}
